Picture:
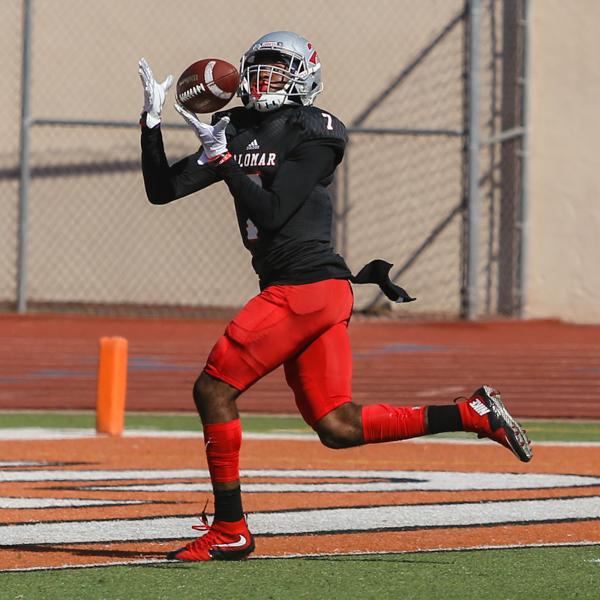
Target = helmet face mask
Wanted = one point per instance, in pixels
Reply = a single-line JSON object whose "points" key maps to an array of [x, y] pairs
{"points": [[280, 68]]}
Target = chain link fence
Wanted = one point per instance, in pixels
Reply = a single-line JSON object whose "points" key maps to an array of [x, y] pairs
{"points": [[10, 48], [396, 73], [502, 126]]}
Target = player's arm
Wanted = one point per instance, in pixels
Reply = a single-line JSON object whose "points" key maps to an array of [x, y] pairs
{"points": [[165, 183], [308, 164]]}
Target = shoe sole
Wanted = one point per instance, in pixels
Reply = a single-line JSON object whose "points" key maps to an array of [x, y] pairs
{"points": [[515, 436], [216, 554]]}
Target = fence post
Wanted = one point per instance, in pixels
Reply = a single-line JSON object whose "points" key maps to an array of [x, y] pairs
{"points": [[473, 208], [21, 283], [524, 156]]}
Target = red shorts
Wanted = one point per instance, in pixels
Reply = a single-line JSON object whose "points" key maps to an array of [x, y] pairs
{"points": [[305, 328]]}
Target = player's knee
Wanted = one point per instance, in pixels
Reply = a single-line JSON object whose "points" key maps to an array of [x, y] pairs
{"points": [[341, 436], [336, 440], [341, 428], [203, 391], [210, 393], [199, 391]]}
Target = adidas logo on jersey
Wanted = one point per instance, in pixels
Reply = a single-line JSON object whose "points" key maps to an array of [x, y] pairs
{"points": [[479, 407], [253, 145]]}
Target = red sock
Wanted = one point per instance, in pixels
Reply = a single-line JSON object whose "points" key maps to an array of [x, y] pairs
{"points": [[385, 423], [222, 442]]}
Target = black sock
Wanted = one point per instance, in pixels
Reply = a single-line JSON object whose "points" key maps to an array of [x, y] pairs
{"points": [[228, 505], [443, 418]]}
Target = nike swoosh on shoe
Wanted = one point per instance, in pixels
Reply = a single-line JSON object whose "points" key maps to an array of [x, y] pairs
{"points": [[241, 542]]}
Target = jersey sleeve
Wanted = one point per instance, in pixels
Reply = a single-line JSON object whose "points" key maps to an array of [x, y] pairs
{"points": [[165, 183]]}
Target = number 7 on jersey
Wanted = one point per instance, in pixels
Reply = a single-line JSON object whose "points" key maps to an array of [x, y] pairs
{"points": [[329, 121]]}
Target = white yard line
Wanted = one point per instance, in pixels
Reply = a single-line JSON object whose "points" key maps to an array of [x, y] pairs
{"points": [[360, 480], [323, 520], [39, 433], [13, 503]]}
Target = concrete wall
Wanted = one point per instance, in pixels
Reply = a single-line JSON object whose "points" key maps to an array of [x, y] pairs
{"points": [[563, 263], [93, 237]]}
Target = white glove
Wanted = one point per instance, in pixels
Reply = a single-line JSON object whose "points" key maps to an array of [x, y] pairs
{"points": [[212, 137], [154, 93]]}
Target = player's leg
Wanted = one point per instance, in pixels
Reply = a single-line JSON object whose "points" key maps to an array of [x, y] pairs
{"points": [[228, 538], [483, 413], [231, 368], [268, 330], [234, 364], [320, 377]]}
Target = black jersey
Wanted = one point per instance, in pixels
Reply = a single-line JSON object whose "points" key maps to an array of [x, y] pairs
{"points": [[282, 163]]}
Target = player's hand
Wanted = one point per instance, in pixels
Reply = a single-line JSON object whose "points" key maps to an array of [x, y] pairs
{"points": [[212, 137], [154, 93]]}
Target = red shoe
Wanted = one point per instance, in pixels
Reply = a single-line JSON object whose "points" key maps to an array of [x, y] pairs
{"points": [[222, 541], [484, 413]]}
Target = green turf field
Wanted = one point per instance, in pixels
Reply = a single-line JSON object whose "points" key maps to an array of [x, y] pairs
{"points": [[538, 430], [558, 573]]}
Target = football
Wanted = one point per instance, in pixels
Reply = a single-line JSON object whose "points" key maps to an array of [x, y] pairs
{"points": [[207, 85]]}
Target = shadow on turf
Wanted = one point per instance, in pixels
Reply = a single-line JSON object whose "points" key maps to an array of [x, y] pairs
{"points": [[97, 552]]}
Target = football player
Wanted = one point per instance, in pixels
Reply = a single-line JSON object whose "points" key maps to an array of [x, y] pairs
{"points": [[277, 155]]}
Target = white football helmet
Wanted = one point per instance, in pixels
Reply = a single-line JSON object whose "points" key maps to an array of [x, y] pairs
{"points": [[298, 72]]}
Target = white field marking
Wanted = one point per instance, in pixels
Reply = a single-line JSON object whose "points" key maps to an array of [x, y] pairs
{"points": [[148, 561], [39, 433], [375, 480], [428, 440], [71, 475], [121, 563], [330, 520], [12, 503], [430, 550], [19, 463], [385, 481], [32, 433]]}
